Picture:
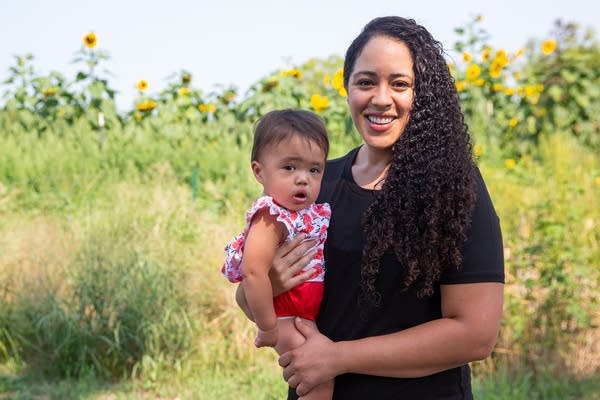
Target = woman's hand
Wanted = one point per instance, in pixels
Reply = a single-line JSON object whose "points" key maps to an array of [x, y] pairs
{"points": [[310, 364], [288, 262]]}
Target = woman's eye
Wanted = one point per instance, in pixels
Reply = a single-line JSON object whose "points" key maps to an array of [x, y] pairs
{"points": [[401, 85], [364, 83]]}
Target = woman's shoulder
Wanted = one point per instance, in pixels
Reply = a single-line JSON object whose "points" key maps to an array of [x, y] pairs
{"points": [[335, 167], [348, 157]]}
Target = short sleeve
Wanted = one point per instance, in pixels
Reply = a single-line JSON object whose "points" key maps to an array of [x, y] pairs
{"points": [[483, 253]]}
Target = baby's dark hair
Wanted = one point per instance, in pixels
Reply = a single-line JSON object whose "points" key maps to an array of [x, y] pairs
{"points": [[279, 125]]}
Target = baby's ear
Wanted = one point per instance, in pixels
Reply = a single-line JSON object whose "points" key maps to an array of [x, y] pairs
{"points": [[257, 171]]}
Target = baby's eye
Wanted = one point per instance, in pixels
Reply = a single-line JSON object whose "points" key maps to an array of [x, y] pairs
{"points": [[315, 170], [288, 167]]}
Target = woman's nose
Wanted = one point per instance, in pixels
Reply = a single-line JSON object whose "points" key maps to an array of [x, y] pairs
{"points": [[381, 97]]}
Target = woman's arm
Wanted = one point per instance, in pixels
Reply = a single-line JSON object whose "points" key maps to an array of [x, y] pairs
{"points": [[466, 332], [286, 271]]}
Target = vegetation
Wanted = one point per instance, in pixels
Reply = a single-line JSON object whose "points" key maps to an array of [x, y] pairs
{"points": [[112, 223]]}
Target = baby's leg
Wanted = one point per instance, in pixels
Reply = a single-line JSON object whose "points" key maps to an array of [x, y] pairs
{"points": [[289, 338]]}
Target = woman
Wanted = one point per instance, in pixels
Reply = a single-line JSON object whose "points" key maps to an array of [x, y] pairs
{"points": [[414, 282]]}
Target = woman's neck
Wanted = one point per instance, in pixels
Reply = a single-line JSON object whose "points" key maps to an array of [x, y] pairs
{"points": [[371, 166]]}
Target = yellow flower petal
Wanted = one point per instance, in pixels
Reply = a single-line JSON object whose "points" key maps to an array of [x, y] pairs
{"points": [[338, 79], [318, 102], [473, 72], [548, 46], [142, 85], [146, 105], [208, 108], [293, 72], [90, 40]]}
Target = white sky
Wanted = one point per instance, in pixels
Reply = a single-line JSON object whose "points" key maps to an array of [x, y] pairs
{"points": [[240, 41]]}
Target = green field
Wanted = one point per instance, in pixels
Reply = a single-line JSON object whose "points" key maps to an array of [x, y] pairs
{"points": [[112, 224]]}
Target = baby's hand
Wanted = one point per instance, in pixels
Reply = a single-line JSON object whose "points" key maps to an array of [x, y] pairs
{"points": [[266, 338]]}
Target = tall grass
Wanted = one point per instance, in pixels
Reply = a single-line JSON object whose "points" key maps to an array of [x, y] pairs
{"points": [[550, 218]]}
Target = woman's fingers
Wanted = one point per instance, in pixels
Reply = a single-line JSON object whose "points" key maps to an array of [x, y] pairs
{"points": [[287, 247], [290, 258]]}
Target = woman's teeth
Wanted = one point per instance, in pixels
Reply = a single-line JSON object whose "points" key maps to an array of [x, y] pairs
{"points": [[380, 120]]}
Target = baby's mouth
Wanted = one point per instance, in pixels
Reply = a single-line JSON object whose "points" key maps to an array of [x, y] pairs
{"points": [[300, 196]]}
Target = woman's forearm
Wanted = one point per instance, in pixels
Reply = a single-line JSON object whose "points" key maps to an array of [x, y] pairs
{"points": [[420, 351], [467, 331]]}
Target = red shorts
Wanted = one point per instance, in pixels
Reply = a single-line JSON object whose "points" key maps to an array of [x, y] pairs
{"points": [[302, 301]]}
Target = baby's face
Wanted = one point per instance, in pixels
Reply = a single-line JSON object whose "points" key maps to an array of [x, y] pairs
{"points": [[291, 172]]}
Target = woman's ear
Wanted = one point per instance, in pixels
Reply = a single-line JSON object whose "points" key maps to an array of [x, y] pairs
{"points": [[257, 171]]}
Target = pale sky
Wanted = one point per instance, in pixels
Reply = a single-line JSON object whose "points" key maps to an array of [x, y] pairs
{"points": [[238, 42]]}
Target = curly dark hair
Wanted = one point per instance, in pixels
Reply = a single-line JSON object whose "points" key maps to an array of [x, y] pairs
{"points": [[423, 210]]}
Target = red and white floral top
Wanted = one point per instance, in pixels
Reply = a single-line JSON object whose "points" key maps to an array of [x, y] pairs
{"points": [[312, 221]]}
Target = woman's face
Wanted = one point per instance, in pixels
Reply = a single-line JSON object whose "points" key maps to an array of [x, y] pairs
{"points": [[381, 90]]}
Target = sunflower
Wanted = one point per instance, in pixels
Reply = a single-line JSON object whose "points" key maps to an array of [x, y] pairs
{"points": [[501, 58], [548, 46], [485, 53], [473, 72], [208, 108], [338, 79], [146, 105], [90, 40], [495, 69], [318, 102], [142, 85], [510, 163], [293, 72]]}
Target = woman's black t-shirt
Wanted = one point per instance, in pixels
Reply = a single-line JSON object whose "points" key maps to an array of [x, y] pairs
{"points": [[342, 318]]}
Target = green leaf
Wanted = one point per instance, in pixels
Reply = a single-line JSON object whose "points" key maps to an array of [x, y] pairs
{"points": [[569, 76], [555, 93]]}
